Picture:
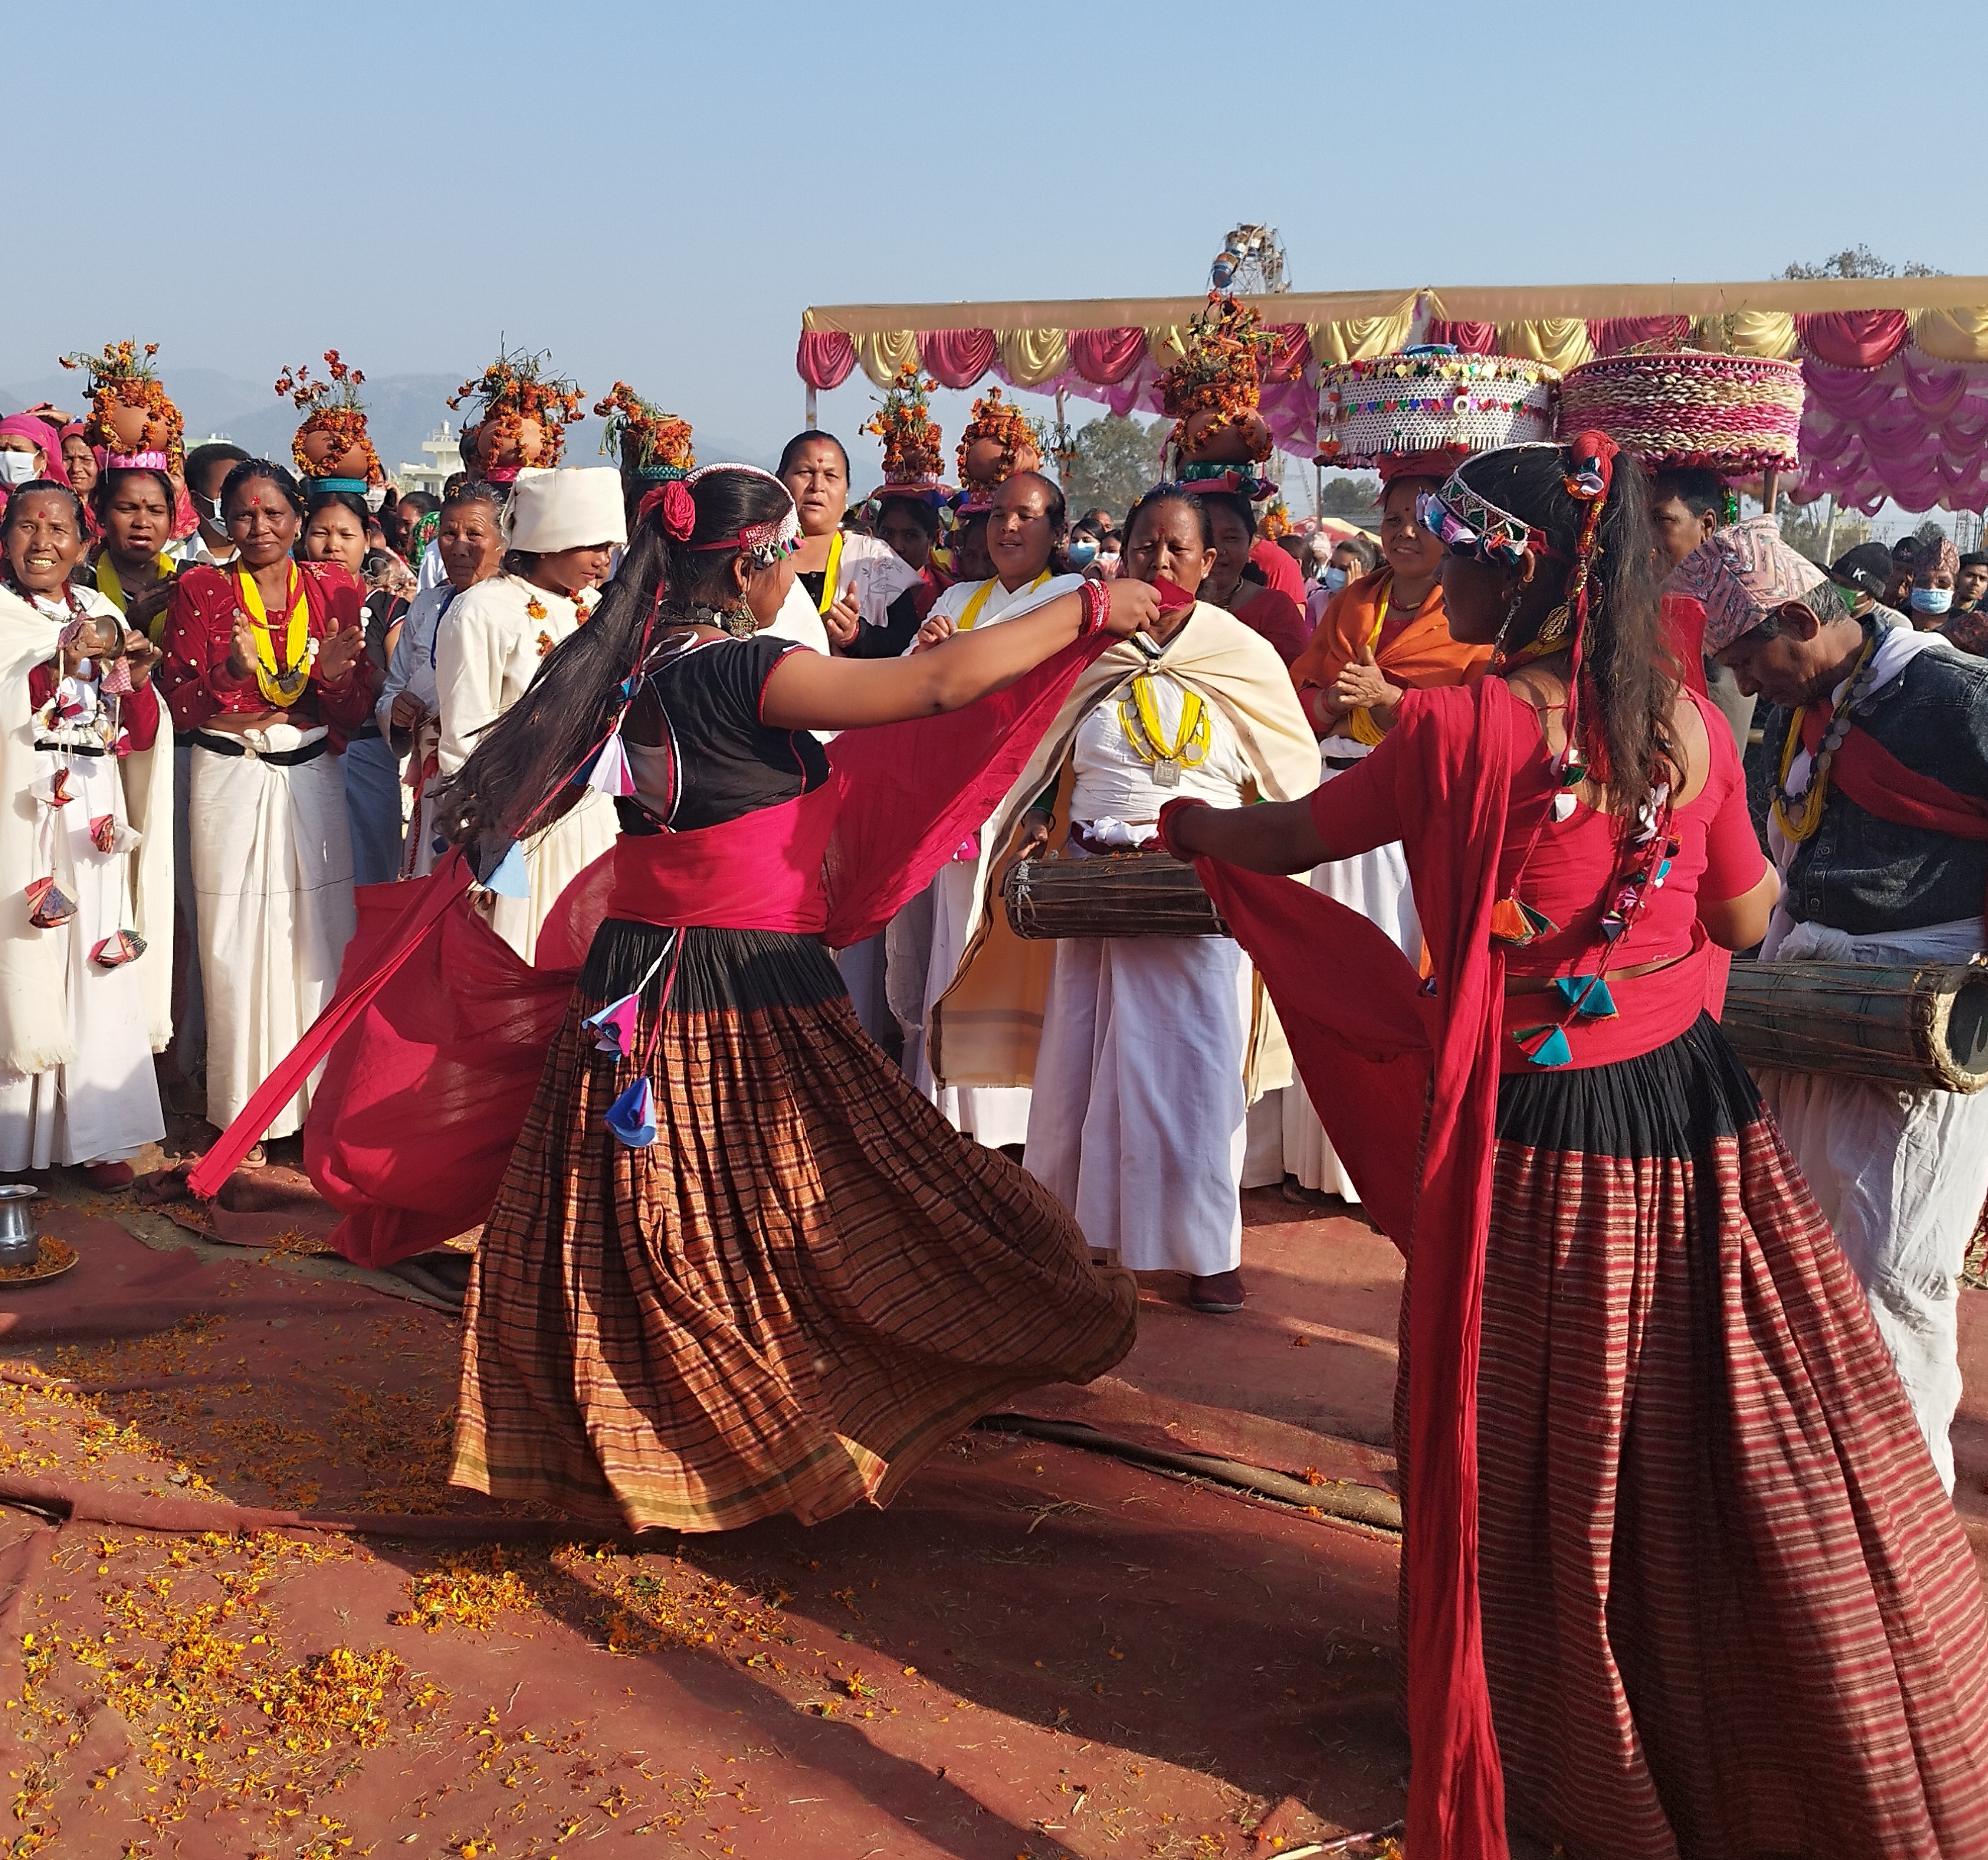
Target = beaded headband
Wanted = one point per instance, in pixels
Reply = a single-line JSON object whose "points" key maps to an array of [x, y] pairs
{"points": [[762, 543], [1467, 523]]}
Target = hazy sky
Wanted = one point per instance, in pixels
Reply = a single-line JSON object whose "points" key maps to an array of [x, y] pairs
{"points": [[655, 191]]}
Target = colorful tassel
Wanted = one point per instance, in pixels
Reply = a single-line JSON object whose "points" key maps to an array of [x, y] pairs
{"points": [[610, 773], [1564, 803], [103, 832], [1548, 1046], [120, 947], [1513, 921], [1588, 995], [614, 1027], [508, 878], [632, 1116], [49, 908]]}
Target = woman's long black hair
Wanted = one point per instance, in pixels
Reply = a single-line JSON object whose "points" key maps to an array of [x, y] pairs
{"points": [[1628, 677], [518, 779]]}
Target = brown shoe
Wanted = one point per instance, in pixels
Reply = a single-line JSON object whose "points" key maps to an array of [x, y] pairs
{"points": [[109, 1176], [1221, 1293]]}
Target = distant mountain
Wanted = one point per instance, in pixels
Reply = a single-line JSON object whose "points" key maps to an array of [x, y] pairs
{"points": [[401, 411]]}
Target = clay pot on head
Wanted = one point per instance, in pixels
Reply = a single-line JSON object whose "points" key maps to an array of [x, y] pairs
{"points": [[1237, 441], [129, 424], [984, 460], [323, 448], [501, 448]]}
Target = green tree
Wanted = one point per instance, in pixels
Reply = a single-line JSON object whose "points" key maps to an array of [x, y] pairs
{"points": [[1805, 527], [1353, 496], [1117, 460], [1860, 261]]}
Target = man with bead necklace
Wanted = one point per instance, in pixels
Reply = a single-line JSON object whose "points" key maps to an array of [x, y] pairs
{"points": [[1879, 833]]}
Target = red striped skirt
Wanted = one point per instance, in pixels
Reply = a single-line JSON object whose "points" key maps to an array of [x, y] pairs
{"points": [[1727, 1609], [807, 1283]]}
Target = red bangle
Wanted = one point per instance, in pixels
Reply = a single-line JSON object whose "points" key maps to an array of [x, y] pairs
{"points": [[1096, 599]]}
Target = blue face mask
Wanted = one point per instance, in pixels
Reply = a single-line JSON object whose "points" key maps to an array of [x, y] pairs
{"points": [[1334, 580], [1082, 552], [1931, 600]]}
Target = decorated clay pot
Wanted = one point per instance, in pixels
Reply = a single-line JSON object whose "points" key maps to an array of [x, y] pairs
{"points": [[129, 424], [524, 447], [984, 460], [1237, 441], [330, 457]]}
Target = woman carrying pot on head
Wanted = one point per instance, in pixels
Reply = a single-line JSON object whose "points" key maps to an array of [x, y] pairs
{"points": [[852, 594], [1645, 1406], [335, 531], [737, 1266], [264, 669], [85, 781], [470, 541], [560, 530], [1382, 636], [1233, 582], [1150, 1047]]}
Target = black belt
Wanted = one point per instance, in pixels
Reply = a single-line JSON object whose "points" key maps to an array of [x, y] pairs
{"points": [[71, 748], [368, 733], [282, 758], [1344, 762], [185, 740]]}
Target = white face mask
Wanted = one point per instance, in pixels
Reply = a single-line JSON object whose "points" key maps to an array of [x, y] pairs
{"points": [[1334, 579], [18, 468]]}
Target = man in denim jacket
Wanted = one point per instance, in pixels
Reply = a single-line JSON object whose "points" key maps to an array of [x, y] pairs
{"points": [[1879, 833]]}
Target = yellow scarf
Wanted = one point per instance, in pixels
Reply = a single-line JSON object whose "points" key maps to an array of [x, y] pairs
{"points": [[112, 590], [971, 615], [282, 682]]}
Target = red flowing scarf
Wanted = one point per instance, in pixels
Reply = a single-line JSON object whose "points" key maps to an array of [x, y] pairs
{"points": [[1405, 1077], [434, 1040]]}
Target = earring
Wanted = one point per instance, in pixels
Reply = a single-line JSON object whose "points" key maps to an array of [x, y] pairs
{"points": [[741, 622], [1511, 615]]}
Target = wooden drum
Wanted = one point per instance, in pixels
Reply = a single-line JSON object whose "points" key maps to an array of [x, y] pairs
{"points": [[1128, 894], [1922, 1025]]}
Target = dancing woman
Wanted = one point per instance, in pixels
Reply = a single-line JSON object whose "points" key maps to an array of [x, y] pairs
{"points": [[738, 1265], [1725, 1605]]}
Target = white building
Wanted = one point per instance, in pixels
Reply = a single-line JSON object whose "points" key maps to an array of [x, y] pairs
{"points": [[444, 451]]}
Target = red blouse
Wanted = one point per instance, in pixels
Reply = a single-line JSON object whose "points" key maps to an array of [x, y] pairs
{"points": [[1279, 619], [138, 711], [1573, 869], [200, 640]]}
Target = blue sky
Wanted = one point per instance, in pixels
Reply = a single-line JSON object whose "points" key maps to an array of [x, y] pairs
{"points": [[654, 191]]}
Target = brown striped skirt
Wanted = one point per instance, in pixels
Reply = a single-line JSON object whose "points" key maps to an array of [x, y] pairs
{"points": [[1727, 1609], [807, 1284]]}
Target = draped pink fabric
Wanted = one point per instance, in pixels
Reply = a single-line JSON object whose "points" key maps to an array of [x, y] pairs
{"points": [[1292, 354], [1104, 357], [1476, 338], [438, 1031], [1613, 335], [957, 358], [1854, 339], [825, 357], [1915, 430]]}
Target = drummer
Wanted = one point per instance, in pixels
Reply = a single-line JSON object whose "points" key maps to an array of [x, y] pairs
{"points": [[1152, 1047], [1880, 835]]}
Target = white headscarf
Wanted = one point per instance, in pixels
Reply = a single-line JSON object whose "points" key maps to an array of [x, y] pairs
{"points": [[573, 507]]}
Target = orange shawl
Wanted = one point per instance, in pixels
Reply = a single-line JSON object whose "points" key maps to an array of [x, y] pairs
{"points": [[1422, 654]]}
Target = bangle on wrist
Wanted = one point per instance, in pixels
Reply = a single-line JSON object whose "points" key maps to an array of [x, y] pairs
{"points": [[1096, 600]]}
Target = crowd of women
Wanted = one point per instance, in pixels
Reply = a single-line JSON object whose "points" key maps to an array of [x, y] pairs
{"points": [[790, 1155]]}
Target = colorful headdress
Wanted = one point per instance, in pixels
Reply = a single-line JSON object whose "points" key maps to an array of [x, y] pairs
{"points": [[763, 543], [524, 415], [1219, 373], [1690, 410], [1422, 411], [652, 445], [130, 416], [1008, 427], [331, 448], [913, 448], [1744, 574]]}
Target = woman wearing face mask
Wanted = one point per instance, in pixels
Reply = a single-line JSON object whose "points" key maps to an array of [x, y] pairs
{"points": [[1933, 575], [335, 531], [264, 660], [470, 545], [560, 530], [1143, 1076], [1383, 635], [1265, 610], [83, 1020], [852, 594], [1346, 561], [29, 450]]}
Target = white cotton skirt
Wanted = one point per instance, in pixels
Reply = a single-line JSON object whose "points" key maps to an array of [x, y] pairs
{"points": [[991, 1115], [104, 1105], [1138, 1124], [553, 860], [1375, 884], [273, 886]]}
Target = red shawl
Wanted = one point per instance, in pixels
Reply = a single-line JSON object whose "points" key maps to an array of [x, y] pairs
{"points": [[439, 1030], [1405, 1078]]}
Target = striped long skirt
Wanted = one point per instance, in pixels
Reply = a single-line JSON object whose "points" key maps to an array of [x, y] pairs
{"points": [[803, 1287], [1727, 1609]]}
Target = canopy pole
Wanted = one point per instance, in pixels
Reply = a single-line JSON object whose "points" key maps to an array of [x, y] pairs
{"points": [[1829, 535], [1770, 489], [813, 420]]}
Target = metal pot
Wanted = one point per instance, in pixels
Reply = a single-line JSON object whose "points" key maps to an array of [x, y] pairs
{"points": [[19, 1243]]}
